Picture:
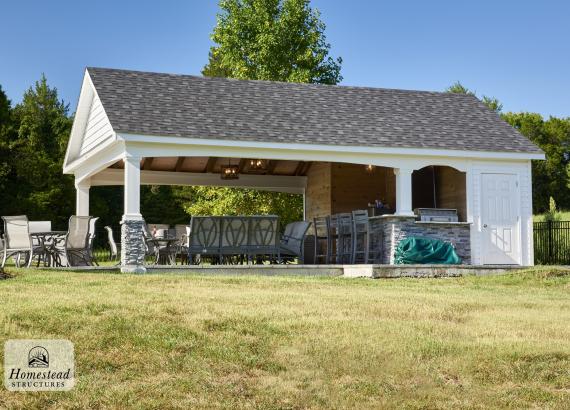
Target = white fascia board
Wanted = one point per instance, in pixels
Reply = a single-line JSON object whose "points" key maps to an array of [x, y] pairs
{"points": [[98, 161], [80, 119], [87, 95], [419, 152], [91, 156], [279, 183]]}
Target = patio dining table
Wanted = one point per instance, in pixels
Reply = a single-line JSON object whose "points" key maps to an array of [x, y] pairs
{"points": [[165, 249], [51, 246]]}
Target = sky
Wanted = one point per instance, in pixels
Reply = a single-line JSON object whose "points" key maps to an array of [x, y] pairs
{"points": [[515, 50]]}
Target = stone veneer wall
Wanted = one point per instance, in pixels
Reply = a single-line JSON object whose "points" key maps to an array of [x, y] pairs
{"points": [[132, 246], [388, 231]]}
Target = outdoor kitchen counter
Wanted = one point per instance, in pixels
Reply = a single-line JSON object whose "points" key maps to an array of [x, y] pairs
{"points": [[386, 231]]}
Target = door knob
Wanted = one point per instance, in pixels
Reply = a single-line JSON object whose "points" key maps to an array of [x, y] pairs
{"points": [[484, 225]]}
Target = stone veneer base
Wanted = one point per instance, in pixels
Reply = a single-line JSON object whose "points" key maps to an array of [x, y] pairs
{"points": [[387, 231], [133, 248]]}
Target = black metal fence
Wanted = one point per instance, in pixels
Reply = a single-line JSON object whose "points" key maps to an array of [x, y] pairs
{"points": [[552, 243]]}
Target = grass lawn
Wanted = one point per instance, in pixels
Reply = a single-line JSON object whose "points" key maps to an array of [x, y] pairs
{"points": [[174, 341]]}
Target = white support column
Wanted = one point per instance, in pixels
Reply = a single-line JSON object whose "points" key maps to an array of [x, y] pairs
{"points": [[132, 225], [132, 191], [82, 198], [404, 191]]}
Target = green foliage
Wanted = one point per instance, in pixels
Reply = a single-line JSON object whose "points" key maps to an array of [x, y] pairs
{"points": [[280, 40], [165, 204], [7, 133], [240, 201], [491, 102], [35, 140], [458, 88], [550, 177], [552, 215]]}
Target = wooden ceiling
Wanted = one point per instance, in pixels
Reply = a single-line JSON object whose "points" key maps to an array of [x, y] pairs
{"points": [[214, 165]]}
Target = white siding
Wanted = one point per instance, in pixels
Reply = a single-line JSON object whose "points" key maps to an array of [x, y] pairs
{"points": [[98, 128], [522, 171]]}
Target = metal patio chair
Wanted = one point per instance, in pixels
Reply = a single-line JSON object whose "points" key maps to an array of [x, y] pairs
{"points": [[114, 247], [77, 251], [92, 234], [234, 239], [263, 238], [17, 241], [344, 238], [182, 233], [322, 239], [293, 241], [360, 237], [205, 237], [333, 238], [36, 227]]}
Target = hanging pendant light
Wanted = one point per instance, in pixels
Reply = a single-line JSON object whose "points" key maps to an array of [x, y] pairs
{"points": [[257, 164], [230, 171], [369, 168]]}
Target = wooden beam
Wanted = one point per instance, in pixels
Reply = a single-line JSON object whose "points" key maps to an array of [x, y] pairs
{"points": [[306, 168], [299, 168], [278, 183], [147, 163], [241, 165], [211, 164], [179, 163], [271, 166]]}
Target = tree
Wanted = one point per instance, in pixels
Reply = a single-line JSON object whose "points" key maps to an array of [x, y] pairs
{"points": [[279, 40], [491, 102], [239, 201], [43, 128], [550, 177], [7, 133]]}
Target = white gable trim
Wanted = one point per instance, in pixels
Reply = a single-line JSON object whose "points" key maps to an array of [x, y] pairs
{"points": [[91, 126]]}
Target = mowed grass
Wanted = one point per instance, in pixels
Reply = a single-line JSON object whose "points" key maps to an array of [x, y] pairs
{"points": [[191, 341]]}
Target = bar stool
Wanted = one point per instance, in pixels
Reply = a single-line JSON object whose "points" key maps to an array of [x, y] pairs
{"points": [[322, 239], [360, 237], [333, 238], [344, 241]]}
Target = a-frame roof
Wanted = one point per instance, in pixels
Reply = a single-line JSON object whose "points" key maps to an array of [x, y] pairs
{"points": [[159, 104]]}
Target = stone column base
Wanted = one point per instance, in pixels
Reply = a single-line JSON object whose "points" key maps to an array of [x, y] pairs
{"points": [[132, 246]]}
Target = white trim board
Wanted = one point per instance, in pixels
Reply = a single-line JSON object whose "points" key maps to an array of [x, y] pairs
{"points": [[277, 183], [421, 152]]}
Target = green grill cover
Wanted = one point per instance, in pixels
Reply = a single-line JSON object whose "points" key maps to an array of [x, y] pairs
{"points": [[414, 250]]}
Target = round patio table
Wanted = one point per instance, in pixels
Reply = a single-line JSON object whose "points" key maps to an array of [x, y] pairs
{"points": [[51, 246], [166, 250]]}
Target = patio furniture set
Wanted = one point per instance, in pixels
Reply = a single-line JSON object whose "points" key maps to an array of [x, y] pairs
{"points": [[337, 239], [223, 240], [25, 241]]}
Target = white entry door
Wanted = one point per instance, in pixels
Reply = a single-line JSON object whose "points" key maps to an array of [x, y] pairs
{"points": [[500, 219]]}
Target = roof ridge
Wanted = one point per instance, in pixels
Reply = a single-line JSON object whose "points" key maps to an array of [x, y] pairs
{"points": [[314, 85]]}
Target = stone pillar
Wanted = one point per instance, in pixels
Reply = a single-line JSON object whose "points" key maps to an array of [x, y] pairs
{"points": [[132, 246], [82, 198], [404, 191], [132, 225]]}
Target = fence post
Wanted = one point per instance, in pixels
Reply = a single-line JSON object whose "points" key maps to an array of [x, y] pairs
{"points": [[550, 247]]}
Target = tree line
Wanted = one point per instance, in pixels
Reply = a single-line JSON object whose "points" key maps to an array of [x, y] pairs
{"points": [[280, 40]]}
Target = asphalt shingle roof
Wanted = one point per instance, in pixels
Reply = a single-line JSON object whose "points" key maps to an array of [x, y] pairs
{"points": [[266, 111]]}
